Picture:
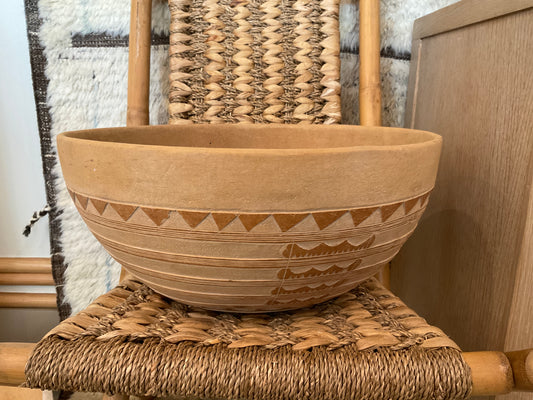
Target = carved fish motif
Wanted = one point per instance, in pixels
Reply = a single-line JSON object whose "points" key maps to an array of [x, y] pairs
{"points": [[305, 300], [306, 289], [334, 269], [296, 251]]}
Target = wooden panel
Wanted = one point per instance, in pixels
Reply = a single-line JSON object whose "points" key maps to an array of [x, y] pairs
{"points": [[520, 326], [467, 268], [464, 13]]}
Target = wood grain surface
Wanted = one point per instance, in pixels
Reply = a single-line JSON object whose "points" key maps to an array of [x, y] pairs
{"points": [[467, 267], [464, 13]]}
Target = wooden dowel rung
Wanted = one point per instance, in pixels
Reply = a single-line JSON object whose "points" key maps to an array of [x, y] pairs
{"points": [[25, 265], [27, 300], [27, 279], [491, 373]]}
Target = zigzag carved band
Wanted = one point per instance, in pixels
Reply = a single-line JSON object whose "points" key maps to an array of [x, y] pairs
{"points": [[285, 221]]}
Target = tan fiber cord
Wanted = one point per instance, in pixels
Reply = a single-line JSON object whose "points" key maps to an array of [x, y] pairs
{"points": [[244, 63], [330, 58], [254, 61], [364, 344]]}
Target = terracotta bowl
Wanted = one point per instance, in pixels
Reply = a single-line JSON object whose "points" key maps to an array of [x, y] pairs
{"points": [[251, 218]]}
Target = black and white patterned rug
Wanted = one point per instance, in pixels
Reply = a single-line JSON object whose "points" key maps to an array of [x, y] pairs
{"points": [[78, 52]]}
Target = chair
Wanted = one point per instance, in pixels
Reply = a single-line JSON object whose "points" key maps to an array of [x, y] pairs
{"points": [[365, 343]]}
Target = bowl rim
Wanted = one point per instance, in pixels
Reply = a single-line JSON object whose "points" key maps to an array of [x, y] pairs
{"points": [[431, 138]]}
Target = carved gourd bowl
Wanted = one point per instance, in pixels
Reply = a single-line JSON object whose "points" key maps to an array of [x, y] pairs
{"points": [[251, 218]]}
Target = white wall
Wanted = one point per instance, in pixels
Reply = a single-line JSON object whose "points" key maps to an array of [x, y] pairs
{"points": [[21, 179], [21, 176]]}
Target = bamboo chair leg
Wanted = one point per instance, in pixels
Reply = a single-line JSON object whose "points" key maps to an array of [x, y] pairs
{"points": [[370, 81], [369, 74], [138, 112], [139, 63]]}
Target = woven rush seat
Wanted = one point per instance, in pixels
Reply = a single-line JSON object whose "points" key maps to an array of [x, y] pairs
{"points": [[364, 344]]}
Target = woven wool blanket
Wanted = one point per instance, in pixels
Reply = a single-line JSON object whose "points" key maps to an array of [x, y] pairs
{"points": [[78, 51]]}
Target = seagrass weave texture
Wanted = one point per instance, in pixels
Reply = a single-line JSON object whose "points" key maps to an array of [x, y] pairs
{"points": [[254, 61], [365, 344]]}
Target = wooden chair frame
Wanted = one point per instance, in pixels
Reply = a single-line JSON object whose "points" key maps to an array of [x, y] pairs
{"points": [[23, 272], [493, 372]]}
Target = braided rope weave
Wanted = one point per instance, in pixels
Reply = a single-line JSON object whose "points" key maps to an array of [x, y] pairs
{"points": [[254, 61], [365, 344]]}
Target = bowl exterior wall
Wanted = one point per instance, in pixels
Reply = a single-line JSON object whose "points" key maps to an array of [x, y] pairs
{"points": [[248, 180], [251, 262], [248, 230]]}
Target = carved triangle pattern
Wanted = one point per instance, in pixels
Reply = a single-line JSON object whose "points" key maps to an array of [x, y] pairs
{"points": [[158, 216], [288, 221], [250, 221], [325, 219], [387, 211], [223, 219], [424, 198], [124, 210], [193, 218], [409, 204], [100, 205], [285, 221], [361, 214], [83, 200]]}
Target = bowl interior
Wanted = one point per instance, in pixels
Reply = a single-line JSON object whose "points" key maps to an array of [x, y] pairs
{"points": [[246, 136]]}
